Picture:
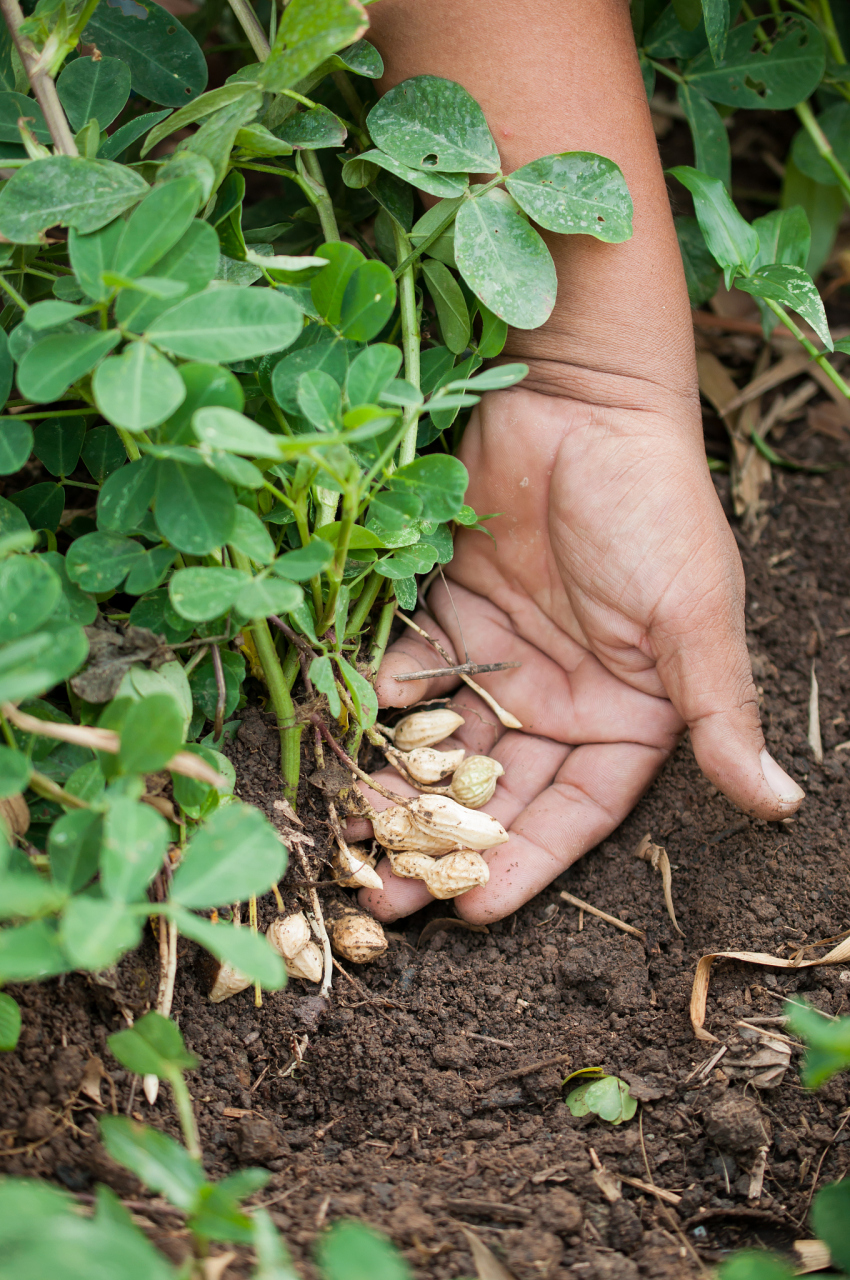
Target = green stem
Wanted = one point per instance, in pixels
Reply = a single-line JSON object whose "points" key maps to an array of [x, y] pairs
{"points": [[50, 413], [830, 31], [249, 23], [290, 731], [320, 196], [49, 790], [291, 666], [185, 1114], [337, 568], [363, 604], [819, 357], [410, 340], [382, 635], [350, 96], [133, 450], [13, 294], [824, 147], [665, 71]]}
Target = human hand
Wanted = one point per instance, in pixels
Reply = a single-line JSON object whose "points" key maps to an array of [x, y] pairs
{"points": [[616, 582]]}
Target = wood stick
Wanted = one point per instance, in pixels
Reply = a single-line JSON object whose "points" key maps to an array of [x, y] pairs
{"points": [[603, 915], [462, 669]]}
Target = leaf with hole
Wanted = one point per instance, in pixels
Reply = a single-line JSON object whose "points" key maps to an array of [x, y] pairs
{"points": [[769, 79], [431, 123], [576, 191], [166, 62], [444, 185], [505, 263], [94, 90]]}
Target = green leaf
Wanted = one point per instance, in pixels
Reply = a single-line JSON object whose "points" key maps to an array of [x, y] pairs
{"points": [[576, 191], [828, 1041], [717, 18], [30, 952], [607, 1097], [732, 241], [103, 452], [370, 372], [438, 480], [248, 952], [10, 1023], [48, 369], [328, 355], [73, 845], [192, 262], [89, 89], [166, 62], [495, 379], [311, 128], [431, 123], [263, 596], [202, 594], [14, 772], [14, 106], [273, 1260], [227, 324], [35, 663], [205, 698], [42, 504], [205, 385], [155, 611], [320, 400], [100, 561], [7, 369], [125, 497], [135, 836], [305, 562], [251, 537], [95, 933], [160, 1162], [309, 32], [702, 273], [835, 123], [362, 693], [58, 444], [14, 526], [444, 185], [138, 389], [215, 139], [823, 206], [152, 733], [752, 1264], [322, 676], [156, 225], [830, 1216], [153, 1046], [29, 592], [16, 441], [50, 314], [505, 262], [792, 287], [353, 1251], [199, 109], [235, 854], [368, 301], [195, 509], [767, 79], [222, 428], [93, 254], [66, 191], [113, 147], [712, 154], [784, 236], [328, 287], [451, 306]]}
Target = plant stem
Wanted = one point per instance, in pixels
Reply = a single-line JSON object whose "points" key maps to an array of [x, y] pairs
{"points": [[185, 1114], [249, 23], [290, 731], [824, 147], [50, 790], [382, 635], [350, 96], [818, 356], [410, 340], [337, 568], [320, 196], [830, 31], [13, 294], [42, 86], [364, 603], [132, 449]]}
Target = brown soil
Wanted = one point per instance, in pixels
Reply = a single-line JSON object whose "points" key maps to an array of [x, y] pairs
{"points": [[409, 1112]]}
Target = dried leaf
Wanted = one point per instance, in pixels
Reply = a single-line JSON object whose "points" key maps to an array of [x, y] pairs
{"points": [[487, 1265], [657, 858], [814, 720], [92, 1076], [814, 1255]]}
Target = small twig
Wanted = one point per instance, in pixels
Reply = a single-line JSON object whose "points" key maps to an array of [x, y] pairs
{"points": [[603, 915], [305, 653], [521, 1071], [353, 766], [502, 1044], [462, 669], [505, 717], [165, 994], [221, 692]]}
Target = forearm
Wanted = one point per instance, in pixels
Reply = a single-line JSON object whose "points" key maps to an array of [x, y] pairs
{"points": [[563, 75]]}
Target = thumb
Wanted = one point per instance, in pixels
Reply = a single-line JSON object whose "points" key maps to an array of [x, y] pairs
{"points": [[706, 672], [412, 653]]}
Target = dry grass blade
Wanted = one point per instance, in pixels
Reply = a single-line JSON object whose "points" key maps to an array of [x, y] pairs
{"points": [[107, 740], [602, 915], [657, 858], [669, 1197], [487, 1265], [814, 720], [788, 367], [699, 991], [813, 1255]]}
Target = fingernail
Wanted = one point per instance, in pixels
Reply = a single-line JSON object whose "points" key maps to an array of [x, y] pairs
{"points": [[785, 788]]}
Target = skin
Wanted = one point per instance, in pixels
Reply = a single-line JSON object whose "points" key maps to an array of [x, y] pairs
{"points": [[614, 577]]}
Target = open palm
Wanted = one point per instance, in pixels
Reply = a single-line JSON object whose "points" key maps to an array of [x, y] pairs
{"points": [[615, 580]]}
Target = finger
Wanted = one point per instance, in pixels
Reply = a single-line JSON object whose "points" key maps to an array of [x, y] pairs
{"points": [[530, 764], [593, 791], [706, 671], [412, 653]]}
